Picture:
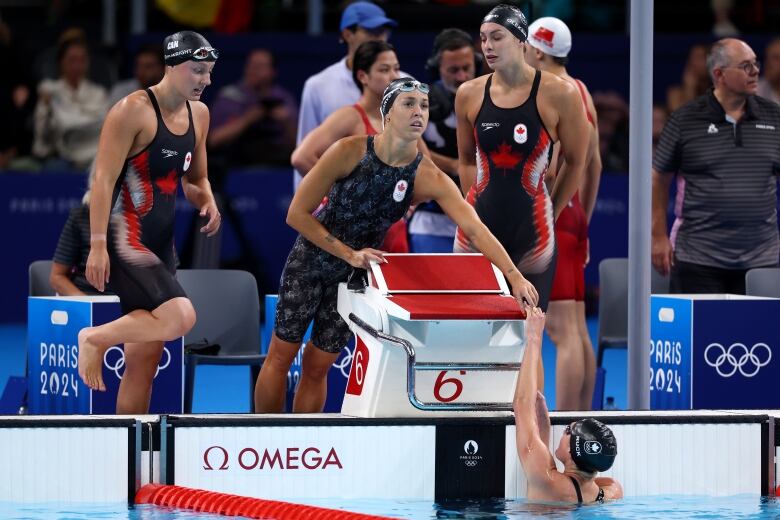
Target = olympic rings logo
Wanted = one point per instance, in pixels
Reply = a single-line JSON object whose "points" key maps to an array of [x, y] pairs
{"points": [[737, 357], [119, 362], [345, 363]]}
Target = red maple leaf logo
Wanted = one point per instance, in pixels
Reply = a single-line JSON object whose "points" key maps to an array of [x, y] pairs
{"points": [[168, 183], [505, 158]]}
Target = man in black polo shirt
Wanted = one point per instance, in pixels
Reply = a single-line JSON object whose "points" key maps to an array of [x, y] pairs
{"points": [[725, 149]]}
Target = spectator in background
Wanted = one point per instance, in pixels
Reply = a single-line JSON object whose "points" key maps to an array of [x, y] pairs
{"points": [[68, 272], [333, 87], [723, 147], [149, 70], [769, 85], [253, 121], [69, 112], [453, 61], [375, 66], [612, 112], [695, 79], [721, 12], [16, 101]]}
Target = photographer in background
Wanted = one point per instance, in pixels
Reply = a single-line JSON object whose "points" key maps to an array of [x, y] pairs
{"points": [[453, 61], [253, 122]]}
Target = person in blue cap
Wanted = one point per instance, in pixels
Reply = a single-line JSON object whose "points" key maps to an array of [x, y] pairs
{"points": [[333, 87], [587, 446], [151, 140]]}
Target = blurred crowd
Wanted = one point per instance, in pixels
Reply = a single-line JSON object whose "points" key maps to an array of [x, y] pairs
{"points": [[53, 104]]}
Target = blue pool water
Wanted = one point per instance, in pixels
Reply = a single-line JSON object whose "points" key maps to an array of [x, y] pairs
{"points": [[668, 507]]}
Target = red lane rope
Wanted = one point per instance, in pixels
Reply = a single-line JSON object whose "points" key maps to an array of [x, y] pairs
{"points": [[235, 505]]}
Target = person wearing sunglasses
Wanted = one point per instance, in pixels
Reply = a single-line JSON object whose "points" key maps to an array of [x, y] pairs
{"points": [[586, 447], [150, 140], [370, 182], [722, 147], [508, 122]]}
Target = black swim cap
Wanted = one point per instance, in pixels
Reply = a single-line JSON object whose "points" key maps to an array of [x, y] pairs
{"points": [[593, 445], [188, 45], [395, 88], [511, 18]]}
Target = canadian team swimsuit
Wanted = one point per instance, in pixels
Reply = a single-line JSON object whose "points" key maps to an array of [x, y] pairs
{"points": [[361, 208], [140, 241], [513, 153], [571, 237]]}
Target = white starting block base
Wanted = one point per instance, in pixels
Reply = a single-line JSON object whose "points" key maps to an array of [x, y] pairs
{"points": [[434, 334]]}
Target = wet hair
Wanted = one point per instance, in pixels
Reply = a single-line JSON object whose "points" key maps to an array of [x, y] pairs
{"points": [[365, 56]]}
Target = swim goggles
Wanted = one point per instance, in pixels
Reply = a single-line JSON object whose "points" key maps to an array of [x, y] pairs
{"points": [[203, 53]]}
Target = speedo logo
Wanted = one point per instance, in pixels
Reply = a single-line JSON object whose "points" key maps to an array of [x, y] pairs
{"points": [[490, 126], [168, 153]]}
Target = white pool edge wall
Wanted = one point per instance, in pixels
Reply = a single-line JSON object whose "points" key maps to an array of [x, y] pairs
{"points": [[288, 457]]}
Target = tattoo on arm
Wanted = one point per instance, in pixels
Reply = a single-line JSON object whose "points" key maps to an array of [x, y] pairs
{"points": [[330, 238], [511, 270]]}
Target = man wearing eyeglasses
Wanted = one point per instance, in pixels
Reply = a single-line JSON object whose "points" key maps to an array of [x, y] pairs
{"points": [[724, 149]]}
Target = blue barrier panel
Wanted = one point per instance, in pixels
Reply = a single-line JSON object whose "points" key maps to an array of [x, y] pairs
{"points": [[670, 348], [714, 352], [53, 384]]}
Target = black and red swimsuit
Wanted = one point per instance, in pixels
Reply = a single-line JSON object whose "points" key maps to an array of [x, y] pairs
{"points": [[513, 154], [140, 245]]}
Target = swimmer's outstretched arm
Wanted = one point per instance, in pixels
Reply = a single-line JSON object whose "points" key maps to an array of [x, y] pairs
{"points": [[433, 184], [195, 183], [535, 457], [337, 162], [542, 417]]}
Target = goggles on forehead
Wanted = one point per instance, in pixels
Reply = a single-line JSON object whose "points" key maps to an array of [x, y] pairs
{"points": [[204, 53], [408, 86]]}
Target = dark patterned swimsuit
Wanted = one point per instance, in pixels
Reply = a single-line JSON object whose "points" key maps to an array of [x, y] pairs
{"points": [[361, 208], [140, 241]]}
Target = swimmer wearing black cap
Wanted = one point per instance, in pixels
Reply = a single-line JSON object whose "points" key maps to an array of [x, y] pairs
{"points": [[370, 182], [151, 140], [508, 122], [586, 447]]}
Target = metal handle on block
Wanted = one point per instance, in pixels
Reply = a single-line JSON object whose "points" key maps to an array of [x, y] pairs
{"points": [[412, 365]]}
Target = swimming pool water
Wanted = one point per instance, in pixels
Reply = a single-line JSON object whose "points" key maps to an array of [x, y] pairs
{"points": [[665, 507]]}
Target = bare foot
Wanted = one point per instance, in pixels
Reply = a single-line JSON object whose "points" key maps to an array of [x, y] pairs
{"points": [[91, 361]]}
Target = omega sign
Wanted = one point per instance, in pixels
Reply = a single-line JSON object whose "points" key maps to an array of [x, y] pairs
{"points": [[310, 458]]}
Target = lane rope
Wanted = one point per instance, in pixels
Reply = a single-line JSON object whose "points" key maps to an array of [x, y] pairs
{"points": [[236, 505]]}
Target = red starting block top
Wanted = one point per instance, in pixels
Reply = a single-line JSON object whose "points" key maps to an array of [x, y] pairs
{"points": [[459, 306], [443, 273]]}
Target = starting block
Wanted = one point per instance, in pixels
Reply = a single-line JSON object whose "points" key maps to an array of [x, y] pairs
{"points": [[434, 333]]}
